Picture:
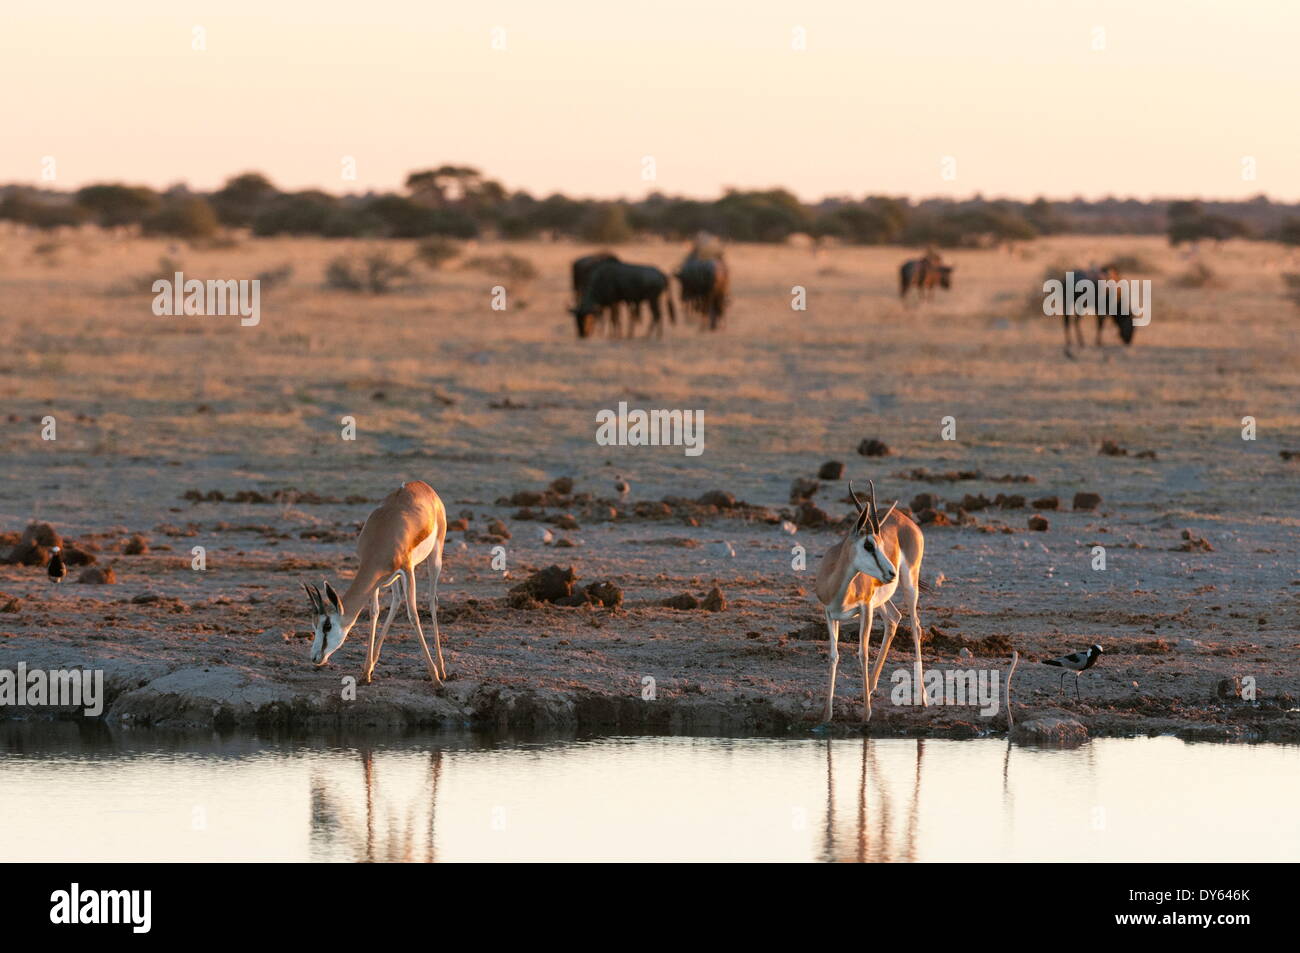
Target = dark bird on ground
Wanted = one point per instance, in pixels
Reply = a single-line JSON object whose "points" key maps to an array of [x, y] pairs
{"points": [[57, 568], [1076, 662]]}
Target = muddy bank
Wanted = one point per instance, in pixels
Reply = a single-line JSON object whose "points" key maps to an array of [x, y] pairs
{"points": [[139, 694]]}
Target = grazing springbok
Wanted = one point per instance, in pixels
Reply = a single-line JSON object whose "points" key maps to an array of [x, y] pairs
{"points": [[407, 528], [876, 558], [924, 274]]}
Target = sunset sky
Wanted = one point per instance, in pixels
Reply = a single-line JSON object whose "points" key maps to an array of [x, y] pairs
{"points": [[1013, 90]]}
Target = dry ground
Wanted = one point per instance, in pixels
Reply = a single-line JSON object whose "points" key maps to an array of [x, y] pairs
{"points": [[149, 408]]}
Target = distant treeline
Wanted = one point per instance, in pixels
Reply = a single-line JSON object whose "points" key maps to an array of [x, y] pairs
{"points": [[458, 202]]}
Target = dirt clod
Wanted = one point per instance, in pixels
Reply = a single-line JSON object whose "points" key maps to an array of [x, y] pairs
{"points": [[97, 576], [33, 548], [137, 545], [715, 601], [871, 447], [548, 585], [802, 489], [1087, 501]]}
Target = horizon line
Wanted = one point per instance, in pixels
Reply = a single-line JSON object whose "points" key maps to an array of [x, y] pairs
{"points": [[723, 191]]}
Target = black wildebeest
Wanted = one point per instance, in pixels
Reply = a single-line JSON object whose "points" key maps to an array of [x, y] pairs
{"points": [[1093, 292], [614, 282], [924, 274], [705, 284], [582, 269]]}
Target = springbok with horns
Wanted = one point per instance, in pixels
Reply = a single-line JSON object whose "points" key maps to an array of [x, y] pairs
{"points": [[876, 558], [407, 528]]}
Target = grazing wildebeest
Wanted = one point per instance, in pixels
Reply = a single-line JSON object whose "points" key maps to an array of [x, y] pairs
{"points": [[924, 274], [705, 283], [612, 282], [582, 269], [1107, 302]]}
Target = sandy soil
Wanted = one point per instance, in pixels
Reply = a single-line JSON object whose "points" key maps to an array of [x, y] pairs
{"points": [[153, 411]]}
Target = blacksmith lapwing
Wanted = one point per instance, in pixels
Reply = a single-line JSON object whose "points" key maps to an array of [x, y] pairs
{"points": [[1076, 662], [57, 568]]}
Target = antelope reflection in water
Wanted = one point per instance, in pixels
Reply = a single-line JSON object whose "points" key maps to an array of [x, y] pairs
{"points": [[867, 838], [396, 828]]}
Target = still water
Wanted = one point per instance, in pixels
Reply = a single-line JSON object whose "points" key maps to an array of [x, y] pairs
{"points": [[69, 797]]}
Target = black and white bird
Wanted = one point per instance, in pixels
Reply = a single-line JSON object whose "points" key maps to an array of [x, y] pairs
{"points": [[1076, 662], [57, 568]]}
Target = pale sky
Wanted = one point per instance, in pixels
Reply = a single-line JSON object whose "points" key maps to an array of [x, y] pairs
{"points": [[1012, 90]]}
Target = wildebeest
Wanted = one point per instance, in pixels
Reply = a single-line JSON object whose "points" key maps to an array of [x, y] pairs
{"points": [[1093, 293], [705, 283], [614, 282], [924, 274], [582, 269]]}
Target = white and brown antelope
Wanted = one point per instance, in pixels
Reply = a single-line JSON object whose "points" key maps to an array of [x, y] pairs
{"points": [[875, 559], [406, 529]]}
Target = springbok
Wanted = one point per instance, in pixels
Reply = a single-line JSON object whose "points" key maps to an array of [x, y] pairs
{"points": [[407, 528], [876, 558]]}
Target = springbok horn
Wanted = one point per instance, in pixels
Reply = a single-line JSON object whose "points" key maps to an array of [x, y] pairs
{"points": [[887, 515], [875, 513], [863, 513], [861, 506]]}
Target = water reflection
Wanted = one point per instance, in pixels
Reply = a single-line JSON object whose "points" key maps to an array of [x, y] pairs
{"points": [[866, 838], [72, 793], [376, 828]]}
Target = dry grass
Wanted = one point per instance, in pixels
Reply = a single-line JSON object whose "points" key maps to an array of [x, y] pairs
{"points": [[149, 407]]}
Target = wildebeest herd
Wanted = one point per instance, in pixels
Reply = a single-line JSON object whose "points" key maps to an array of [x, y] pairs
{"points": [[603, 284]]}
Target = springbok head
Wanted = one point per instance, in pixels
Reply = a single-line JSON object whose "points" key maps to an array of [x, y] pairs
{"points": [[327, 623], [869, 556]]}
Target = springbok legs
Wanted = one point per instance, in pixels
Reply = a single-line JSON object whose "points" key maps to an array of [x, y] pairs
{"points": [[413, 613], [435, 571], [864, 649], [892, 618], [865, 616], [911, 594], [833, 631], [372, 657]]}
